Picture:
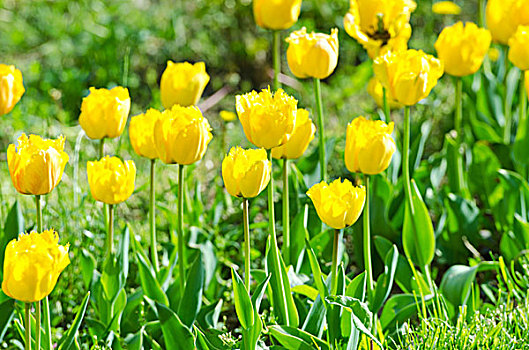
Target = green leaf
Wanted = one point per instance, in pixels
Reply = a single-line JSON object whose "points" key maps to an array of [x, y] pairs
{"points": [[385, 281], [283, 301], [400, 308], [243, 304], [255, 331], [7, 311], [67, 342], [299, 233], [192, 299], [293, 338], [88, 264], [175, 334], [418, 236], [149, 283], [316, 272], [13, 226]]}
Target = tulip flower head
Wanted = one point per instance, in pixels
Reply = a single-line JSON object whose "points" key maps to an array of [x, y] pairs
{"points": [[380, 25], [36, 165], [408, 75], [504, 17], [312, 55], [375, 89], [32, 265], [268, 119], [111, 180], [519, 48], [11, 88], [338, 204], [104, 112], [276, 14], [369, 146], [299, 141], [246, 173], [183, 83], [182, 135], [462, 48], [141, 133], [446, 8]]}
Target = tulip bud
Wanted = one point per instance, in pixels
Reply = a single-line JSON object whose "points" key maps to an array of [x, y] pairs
{"points": [[104, 112], [183, 83], [36, 165], [267, 119], [408, 75], [300, 139], [246, 173], [276, 14], [111, 180], [446, 8], [228, 116], [338, 204], [141, 133], [32, 265], [462, 48], [11, 88], [375, 89], [380, 25], [519, 48], [312, 55], [182, 135], [368, 146]]}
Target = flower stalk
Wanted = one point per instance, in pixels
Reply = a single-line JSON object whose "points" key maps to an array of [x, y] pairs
{"points": [[246, 224], [367, 239], [110, 230], [334, 266], [152, 217], [286, 214], [28, 326], [277, 57], [180, 217], [321, 131]]}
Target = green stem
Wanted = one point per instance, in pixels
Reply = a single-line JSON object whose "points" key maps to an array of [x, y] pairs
{"points": [[459, 110], [480, 13], [110, 230], [39, 213], [180, 209], [506, 107], [523, 100], [321, 130], [28, 326], [387, 112], [246, 225], [334, 266], [286, 214], [152, 217], [37, 325], [406, 159], [367, 240], [101, 148], [277, 58]]}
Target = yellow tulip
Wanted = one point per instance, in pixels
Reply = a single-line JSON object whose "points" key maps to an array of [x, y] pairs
{"points": [[462, 48], [446, 8], [228, 116], [36, 165], [300, 139], [104, 112], [183, 83], [32, 265], [380, 25], [338, 204], [11, 88], [408, 75], [368, 146], [182, 135], [375, 89], [504, 17], [246, 173], [111, 180], [312, 55], [141, 133], [276, 14], [268, 119], [494, 54], [519, 48]]}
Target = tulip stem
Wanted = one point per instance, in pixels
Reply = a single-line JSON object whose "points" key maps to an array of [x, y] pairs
{"points": [[180, 210], [37, 325], [319, 108], [246, 224], [506, 107], [385, 104], [110, 231], [367, 240], [39, 213], [152, 218], [286, 214], [458, 126], [334, 266], [28, 326], [277, 58], [101, 148]]}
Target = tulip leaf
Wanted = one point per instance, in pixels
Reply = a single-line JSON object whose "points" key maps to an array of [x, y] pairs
{"points": [[7, 311], [151, 286], [418, 236], [67, 342], [316, 272], [400, 308], [293, 338], [192, 299], [13, 225], [385, 281], [175, 334], [243, 303]]}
